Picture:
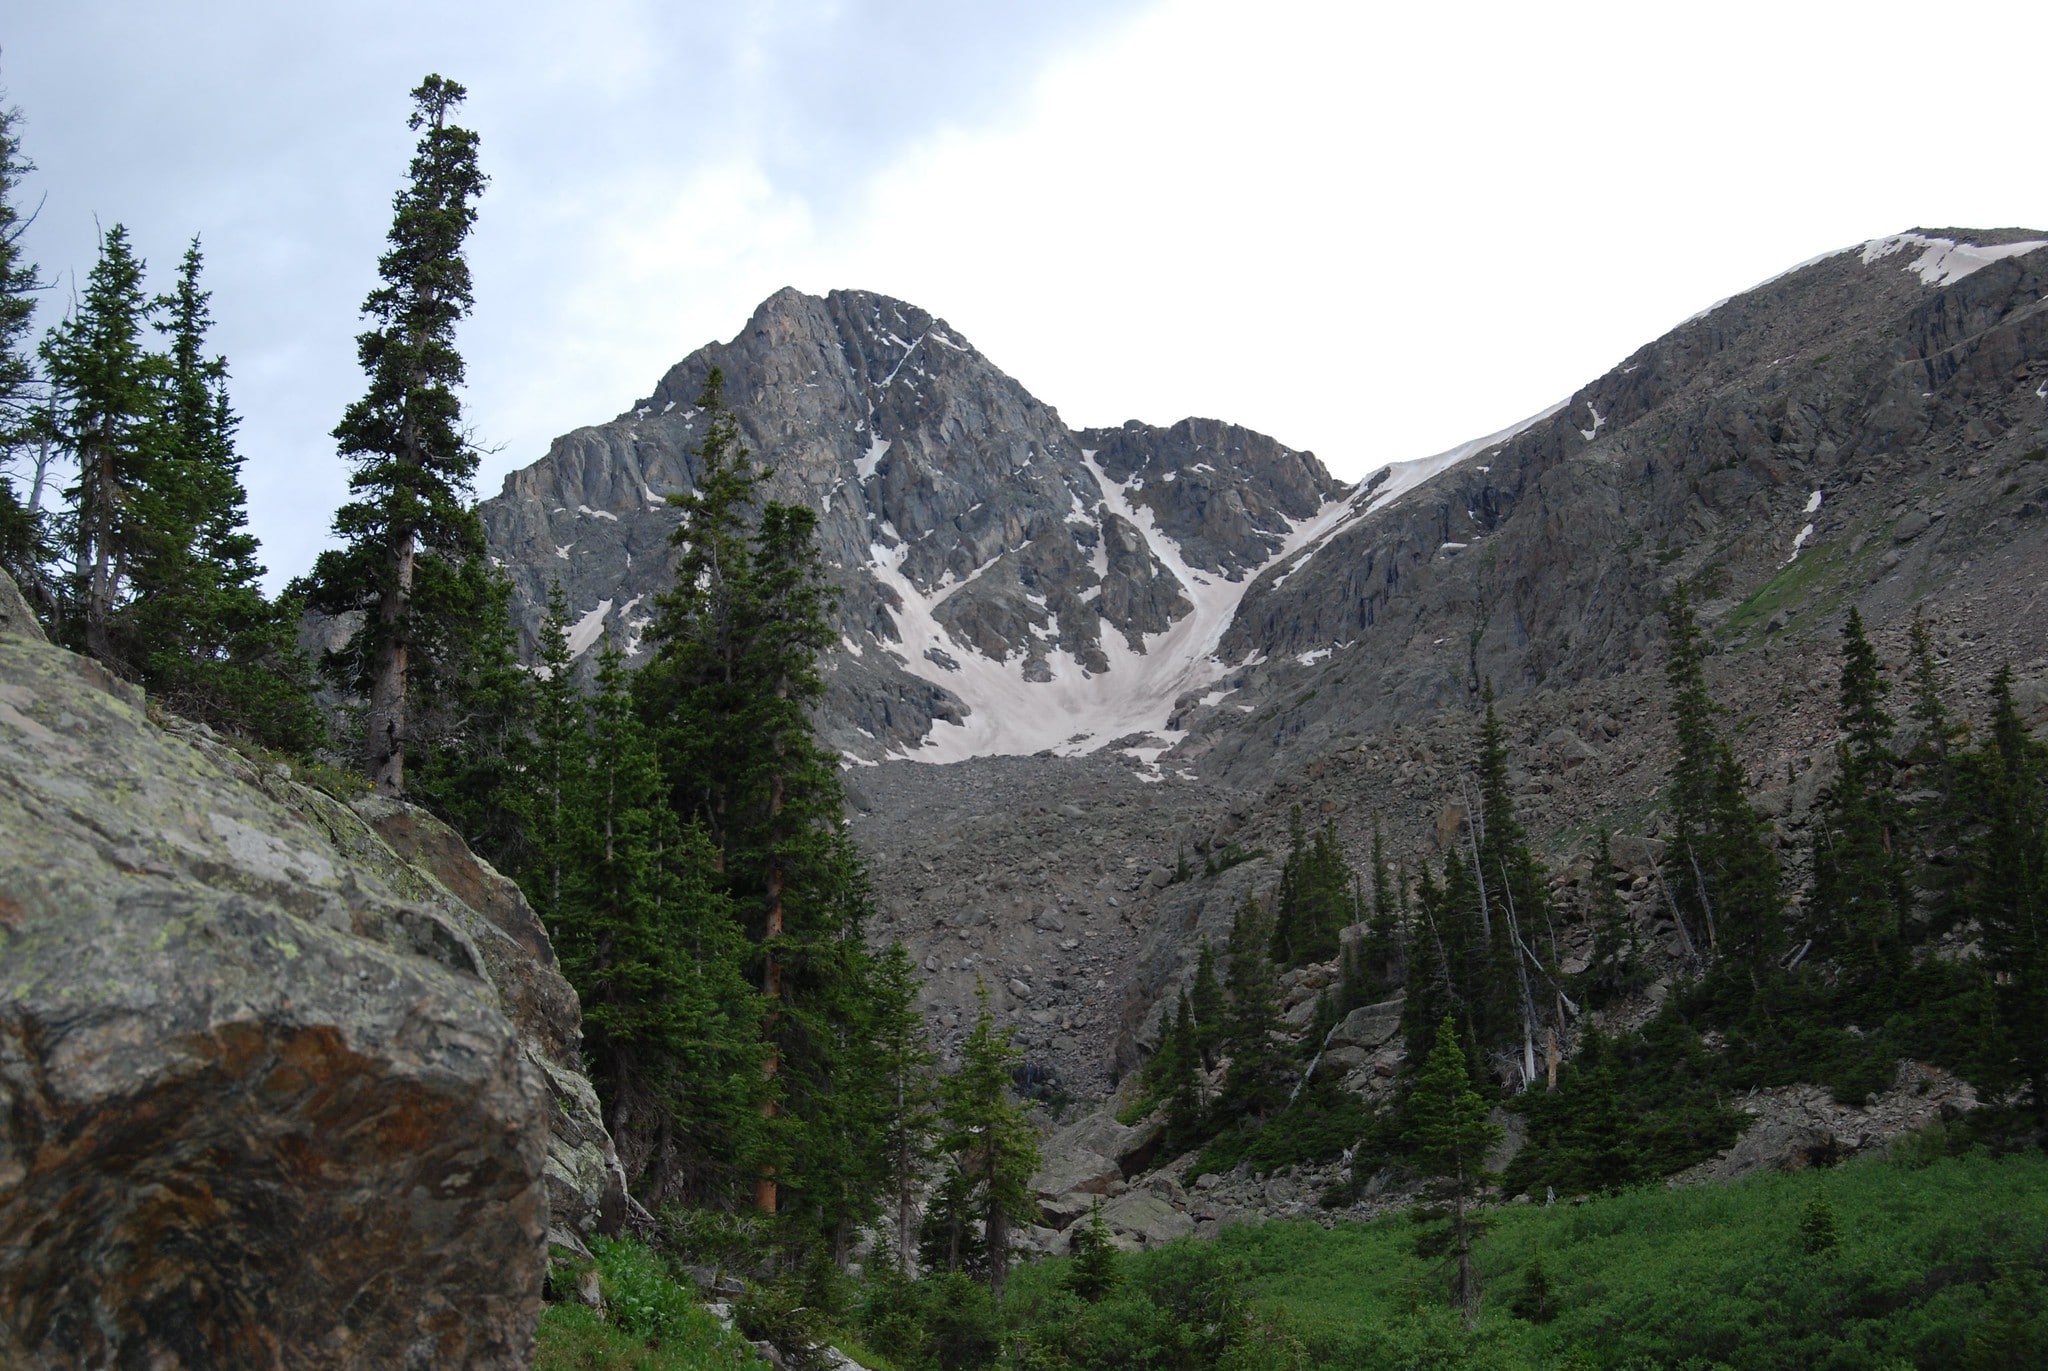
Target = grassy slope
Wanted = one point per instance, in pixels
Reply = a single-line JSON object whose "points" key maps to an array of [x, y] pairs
{"points": [[1657, 1277]]}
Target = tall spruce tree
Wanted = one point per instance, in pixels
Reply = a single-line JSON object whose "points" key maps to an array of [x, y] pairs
{"points": [[649, 944], [1723, 877], [1514, 896], [24, 541], [1314, 899], [2005, 882], [409, 532], [1449, 1136], [1209, 1007], [1859, 871], [728, 694], [994, 1150], [106, 414], [1257, 1083], [195, 627], [908, 1078]]}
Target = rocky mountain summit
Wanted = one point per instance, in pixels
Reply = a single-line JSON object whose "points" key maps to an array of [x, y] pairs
{"points": [[1866, 429], [1008, 584], [284, 1079]]}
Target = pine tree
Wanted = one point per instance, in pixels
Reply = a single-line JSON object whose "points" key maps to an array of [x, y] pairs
{"points": [[1448, 1137], [1209, 1007], [1724, 878], [1184, 1081], [1616, 964], [471, 719], [1513, 895], [908, 1091], [557, 753], [1314, 899], [1092, 1274], [2005, 882], [993, 1146], [408, 532], [1259, 1077], [24, 542], [1937, 730], [196, 628], [106, 414], [1380, 957], [728, 694], [1859, 888], [650, 947]]}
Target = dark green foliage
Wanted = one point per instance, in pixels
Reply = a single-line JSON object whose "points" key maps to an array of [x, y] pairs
{"points": [[106, 415], [649, 1323], [1447, 1138], [1210, 1008], [2013, 1330], [992, 1147], [1316, 1126], [1382, 957], [1817, 1236], [1859, 869], [1260, 1075], [649, 944], [25, 549], [1535, 1302], [1093, 1271], [1616, 967], [1184, 1081], [1722, 875], [408, 534], [1314, 900], [2004, 885], [904, 1088]]}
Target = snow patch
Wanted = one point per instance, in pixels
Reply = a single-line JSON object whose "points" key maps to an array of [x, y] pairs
{"points": [[1314, 655], [1798, 542], [864, 465], [597, 513], [563, 551], [1590, 433], [1943, 260], [1403, 477], [1813, 503], [587, 630]]}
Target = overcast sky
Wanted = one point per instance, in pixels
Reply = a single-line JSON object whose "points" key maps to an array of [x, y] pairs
{"points": [[1367, 231]]}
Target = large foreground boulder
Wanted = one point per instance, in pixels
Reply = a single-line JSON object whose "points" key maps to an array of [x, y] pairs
{"points": [[271, 1092]]}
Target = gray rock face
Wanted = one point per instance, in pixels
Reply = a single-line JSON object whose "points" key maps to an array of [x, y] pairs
{"points": [[981, 546], [15, 615], [270, 1093]]}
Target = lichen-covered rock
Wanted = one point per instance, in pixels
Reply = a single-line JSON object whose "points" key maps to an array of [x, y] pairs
{"points": [[261, 1103], [15, 615]]}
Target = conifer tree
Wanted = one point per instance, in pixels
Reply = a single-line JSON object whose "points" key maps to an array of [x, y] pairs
{"points": [[1448, 1137], [1513, 895], [1258, 1081], [195, 627], [1380, 967], [1092, 1273], [408, 532], [557, 753], [1859, 887], [24, 540], [1937, 731], [106, 414], [909, 1093], [727, 694], [1184, 1083], [1209, 1007], [1615, 966], [994, 1149], [1724, 877], [1314, 898], [2005, 886], [650, 946]]}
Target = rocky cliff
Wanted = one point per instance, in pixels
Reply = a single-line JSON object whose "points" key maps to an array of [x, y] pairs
{"points": [[284, 1080], [1231, 632], [1008, 584]]}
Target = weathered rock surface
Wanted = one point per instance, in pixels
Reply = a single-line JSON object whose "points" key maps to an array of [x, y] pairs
{"points": [[15, 614], [270, 1093], [980, 545]]}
